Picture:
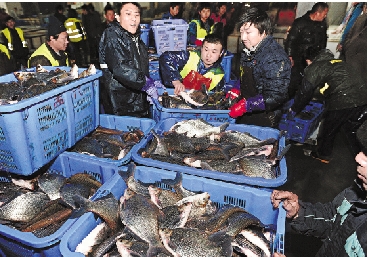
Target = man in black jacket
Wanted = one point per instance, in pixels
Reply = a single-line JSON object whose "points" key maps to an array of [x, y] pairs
{"points": [[345, 96], [310, 30], [124, 63], [342, 223]]}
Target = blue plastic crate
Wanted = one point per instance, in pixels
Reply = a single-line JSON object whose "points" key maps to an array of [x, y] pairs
{"points": [[145, 29], [161, 113], [170, 35], [36, 130], [154, 70], [298, 129], [226, 65], [25, 244], [256, 131], [221, 193], [123, 123]]}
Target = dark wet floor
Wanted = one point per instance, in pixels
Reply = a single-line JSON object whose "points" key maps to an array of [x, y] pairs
{"points": [[314, 181]]}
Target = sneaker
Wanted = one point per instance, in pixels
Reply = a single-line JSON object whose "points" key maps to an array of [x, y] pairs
{"points": [[324, 159]]}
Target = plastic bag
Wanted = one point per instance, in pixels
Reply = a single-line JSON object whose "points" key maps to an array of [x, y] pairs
{"points": [[194, 80]]}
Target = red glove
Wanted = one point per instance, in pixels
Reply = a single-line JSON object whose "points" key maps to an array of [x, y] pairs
{"points": [[238, 109], [198, 42], [232, 94]]}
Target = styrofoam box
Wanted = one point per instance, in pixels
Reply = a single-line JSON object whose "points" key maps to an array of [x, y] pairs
{"points": [[221, 193], [122, 123], [170, 35], [256, 131], [24, 244], [36, 130]]}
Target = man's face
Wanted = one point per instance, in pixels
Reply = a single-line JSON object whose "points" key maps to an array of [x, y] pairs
{"points": [[61, 42], [320, 16], [110, 16], [130, 17], [204, 14], [222, 10], [10, 24], [250, 35], [210, 53], [361, 159], [174, 11]]}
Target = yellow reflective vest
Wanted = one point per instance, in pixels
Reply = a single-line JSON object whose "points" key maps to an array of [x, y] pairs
{"points": [[201, 32], [43, 50], [7, 35], [216, 74], [4, 50], [75, 34]]}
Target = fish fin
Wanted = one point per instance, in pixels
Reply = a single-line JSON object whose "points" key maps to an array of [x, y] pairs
{"points": [[224, 126], [283, 152], [173, 182], [154, 250]]}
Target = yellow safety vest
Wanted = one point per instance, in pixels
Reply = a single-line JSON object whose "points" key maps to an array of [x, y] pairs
{"points": [[4, 50], [192, 64], [201, 32], [75, 35], [7, 35], [44, 51]]}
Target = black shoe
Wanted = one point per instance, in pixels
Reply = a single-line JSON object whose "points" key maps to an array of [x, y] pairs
{"points": [[324, 159]]}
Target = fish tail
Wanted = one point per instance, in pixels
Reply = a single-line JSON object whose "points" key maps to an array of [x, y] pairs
{"points": [[224, 126]]}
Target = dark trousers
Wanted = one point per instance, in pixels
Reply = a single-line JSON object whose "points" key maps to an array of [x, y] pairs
{"points": [[350, 119], [296, 77]]}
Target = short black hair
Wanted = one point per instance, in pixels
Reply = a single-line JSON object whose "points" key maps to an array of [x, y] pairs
{"points": [[214, 39], [59, 7], [108, 7], [135, 3], [204, 5], [258, 18], [319, 7], [173, 4]]}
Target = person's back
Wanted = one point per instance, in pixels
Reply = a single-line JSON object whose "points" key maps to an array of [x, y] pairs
{"points": [[310, 30]]}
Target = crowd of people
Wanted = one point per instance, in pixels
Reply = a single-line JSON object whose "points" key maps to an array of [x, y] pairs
{"points": [[270, 75]]}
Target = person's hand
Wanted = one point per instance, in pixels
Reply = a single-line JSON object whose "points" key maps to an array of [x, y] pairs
{"points": [[291, 60], [150, 88], [339, 47], [290, 200], [179, 87], [290, 115], [278, 255], [232, 94], [361, 159], [238, 109]]}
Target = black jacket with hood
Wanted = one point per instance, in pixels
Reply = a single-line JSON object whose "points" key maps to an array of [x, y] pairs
{"points": [[338, 82], [126, 58]]}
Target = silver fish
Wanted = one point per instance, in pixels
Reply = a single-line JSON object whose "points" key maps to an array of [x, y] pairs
{"points": [[50, 183], [197, 128]]}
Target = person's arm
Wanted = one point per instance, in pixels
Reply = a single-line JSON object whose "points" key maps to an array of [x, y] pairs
{"points": [[307, 218], [171, 63], [192, 33]]}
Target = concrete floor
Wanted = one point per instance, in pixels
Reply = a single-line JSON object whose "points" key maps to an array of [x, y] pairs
{"points": [[314, 181]]}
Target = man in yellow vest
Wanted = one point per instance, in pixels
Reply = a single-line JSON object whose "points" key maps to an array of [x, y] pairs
{"points": [[202, 26], [52, 53], [77, 37], [7, 62], [176, 65], [16, 43]]}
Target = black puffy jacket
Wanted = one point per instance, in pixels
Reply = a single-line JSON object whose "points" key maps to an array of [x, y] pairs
{"points": [[344, 88], [127, 68], [271, 72], [305, 33]]}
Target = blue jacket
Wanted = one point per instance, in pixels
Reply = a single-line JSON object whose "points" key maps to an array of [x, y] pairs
{"points": [[271, 72], [341, 224]]}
